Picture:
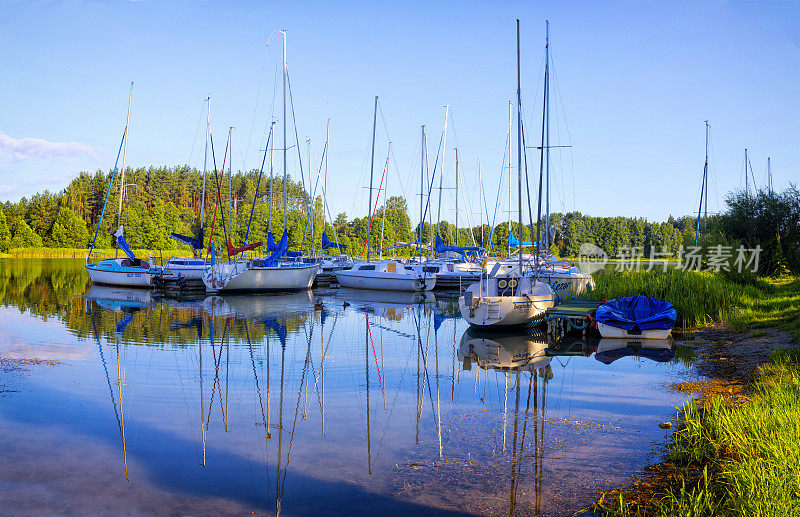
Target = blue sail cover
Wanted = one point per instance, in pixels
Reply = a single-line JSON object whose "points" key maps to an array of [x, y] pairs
{"points": [[195, 242], [271, 246], [327, 244], [637, 311], [512, 241], [441, 247], [120, 235]]}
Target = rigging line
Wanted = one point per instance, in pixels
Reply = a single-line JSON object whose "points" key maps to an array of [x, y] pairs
{"points": [[497, 198], [566, 126], [258, 95], [297, 141], [196, 132]]}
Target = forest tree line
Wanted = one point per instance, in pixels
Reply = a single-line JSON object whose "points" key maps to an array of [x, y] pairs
{"points": [[161, 200]]}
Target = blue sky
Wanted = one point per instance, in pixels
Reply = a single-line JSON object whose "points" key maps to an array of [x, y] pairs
{"points": [[633, 83]]}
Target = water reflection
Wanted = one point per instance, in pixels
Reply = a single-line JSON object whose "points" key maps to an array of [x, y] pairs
{"points": [[333, 400]]}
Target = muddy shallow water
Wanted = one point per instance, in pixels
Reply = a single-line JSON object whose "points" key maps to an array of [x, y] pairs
{"points": [[303, 404]]}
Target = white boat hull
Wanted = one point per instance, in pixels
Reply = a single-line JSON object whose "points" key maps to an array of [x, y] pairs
{"points": [[139, 278], [567, 284], [239, 276], [385, 281], [607, 331], [506, 311]]}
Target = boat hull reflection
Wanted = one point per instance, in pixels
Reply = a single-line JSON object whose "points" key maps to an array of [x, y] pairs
{"points": [[503, 350]]}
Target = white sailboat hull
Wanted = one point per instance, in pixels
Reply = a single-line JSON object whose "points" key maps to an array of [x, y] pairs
{"points": [[384, 281], [566, 284], [133, 278], [505, 311], [240, 276]]}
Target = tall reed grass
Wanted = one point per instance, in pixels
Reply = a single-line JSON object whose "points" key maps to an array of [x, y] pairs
{"points": [[700, 298]]}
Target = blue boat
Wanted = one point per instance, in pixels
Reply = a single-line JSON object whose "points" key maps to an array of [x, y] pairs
{"points": [[638, 316]]}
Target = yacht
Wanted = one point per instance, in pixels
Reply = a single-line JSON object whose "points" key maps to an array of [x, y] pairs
{"points": [[388, 274]]}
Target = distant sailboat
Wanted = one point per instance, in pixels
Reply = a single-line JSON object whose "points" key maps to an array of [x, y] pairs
{"points": [[129, 271], [389, 275], [265, 273]]}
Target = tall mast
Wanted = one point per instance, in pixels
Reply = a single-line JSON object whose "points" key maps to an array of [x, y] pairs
{"points": [[456, 196], [124, 153], [385, 195], [230, 183], [705, 179], [545, 120], [441, 175], [310, 200], [325, 181], [519, 152], [547, 142], [746, 189], [769, 176], [421, 190], [284, 130], [371, 170], [703, 194], [205, 165], [271, 152], [480, 198], [510, 104]]}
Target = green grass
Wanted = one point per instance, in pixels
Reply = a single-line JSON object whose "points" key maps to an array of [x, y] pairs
{"points": [[748, 453], [703, 298]]}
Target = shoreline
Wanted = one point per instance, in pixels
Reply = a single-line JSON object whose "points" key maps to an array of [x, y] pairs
{"points": [[728, 365]]}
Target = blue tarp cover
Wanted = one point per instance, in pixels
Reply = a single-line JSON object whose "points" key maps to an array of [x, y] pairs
{"points": [[194, 242], [441, 247], [271, 246], [637, 311], [327, 244], [512, 241]]}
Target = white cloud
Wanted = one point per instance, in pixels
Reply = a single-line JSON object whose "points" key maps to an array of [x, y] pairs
{"points": [[18, 149]]}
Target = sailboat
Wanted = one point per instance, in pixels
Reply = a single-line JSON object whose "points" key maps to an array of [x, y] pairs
{"points": [[386, 274], [128, 271], [510, 295], [564, 278], [191, 268], [264, 273]]}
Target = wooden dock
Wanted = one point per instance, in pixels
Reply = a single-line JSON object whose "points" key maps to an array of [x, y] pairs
{"points": [[572, 314]]}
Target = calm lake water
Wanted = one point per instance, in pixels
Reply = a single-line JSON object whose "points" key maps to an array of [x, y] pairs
{"points": [[326, 402]]}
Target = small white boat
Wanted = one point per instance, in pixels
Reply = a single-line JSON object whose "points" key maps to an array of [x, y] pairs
{"points": [[636, 317], [505, 298], [249, 275], [184, 267], [458, 274], [333, 263], [388, 275], [565, 280], [121, 271]]}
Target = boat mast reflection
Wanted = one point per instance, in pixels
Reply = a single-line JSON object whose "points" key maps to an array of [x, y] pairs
{"points": [[515, 355]]}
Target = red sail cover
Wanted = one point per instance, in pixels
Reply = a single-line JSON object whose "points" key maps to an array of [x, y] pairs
{"points": [[247, 247]]}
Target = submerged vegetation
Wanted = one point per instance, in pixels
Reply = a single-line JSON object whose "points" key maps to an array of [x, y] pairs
{"points": [[745, 456]]}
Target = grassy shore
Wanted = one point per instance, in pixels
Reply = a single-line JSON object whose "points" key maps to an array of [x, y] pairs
{"points": [[81, 253], [703, 298], [727, 457], [745, 457]]}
